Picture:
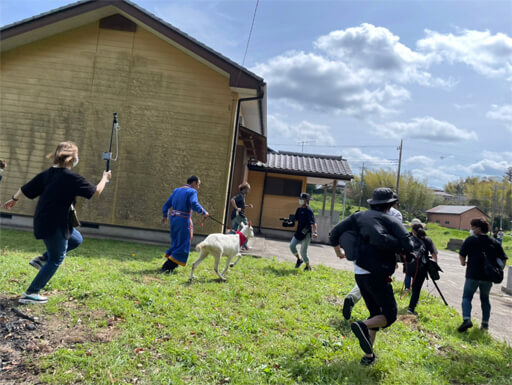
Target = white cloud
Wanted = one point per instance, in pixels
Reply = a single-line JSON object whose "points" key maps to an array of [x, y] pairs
{"points": [[501, 113], [356, 155], [378, 54], [433, 177], [490, 55], [425, 128], [324, 84], [489, 167], [304, 131], [420, 160]]}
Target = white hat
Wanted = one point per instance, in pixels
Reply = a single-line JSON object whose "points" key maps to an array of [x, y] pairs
{"points": [[416, 221]]}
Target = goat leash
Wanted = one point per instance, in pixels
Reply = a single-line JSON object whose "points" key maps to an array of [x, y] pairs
{"points": [[213, 219]]}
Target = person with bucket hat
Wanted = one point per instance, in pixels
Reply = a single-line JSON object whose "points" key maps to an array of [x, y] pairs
{"points": [[380, 236], [354, 296], [306, 229]]}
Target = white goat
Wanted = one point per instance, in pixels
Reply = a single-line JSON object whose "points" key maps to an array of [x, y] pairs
{"points": [[219, 245]]}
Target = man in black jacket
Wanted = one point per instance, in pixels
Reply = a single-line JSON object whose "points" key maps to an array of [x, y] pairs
{"points": [[473, 253], [381, 236]]}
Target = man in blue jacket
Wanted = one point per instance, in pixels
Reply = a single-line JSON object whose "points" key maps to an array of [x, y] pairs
{"points": [[183, 201], [380, 236]]}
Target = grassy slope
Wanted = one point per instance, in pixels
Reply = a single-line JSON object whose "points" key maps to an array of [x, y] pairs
{"points": [[269, 324]]}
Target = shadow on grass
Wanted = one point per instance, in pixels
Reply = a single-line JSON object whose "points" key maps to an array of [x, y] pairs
{"points": [[341, 370], [280, 272]]}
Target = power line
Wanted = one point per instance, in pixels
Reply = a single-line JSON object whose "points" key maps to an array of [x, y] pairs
{"points": [[250, 32]]}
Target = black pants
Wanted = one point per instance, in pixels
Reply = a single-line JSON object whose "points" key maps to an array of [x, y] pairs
{"points": [[416, 285], [378, 295]]}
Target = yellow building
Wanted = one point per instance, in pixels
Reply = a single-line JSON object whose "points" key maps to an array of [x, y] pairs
{"points": [[180, 106]]}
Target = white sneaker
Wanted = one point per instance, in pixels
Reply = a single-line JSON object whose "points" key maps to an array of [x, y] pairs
{"points": [[32, 298]]}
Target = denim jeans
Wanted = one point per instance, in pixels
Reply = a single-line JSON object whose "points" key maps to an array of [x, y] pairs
{"points": [[56, 248], [470, 287], [304, 244]]}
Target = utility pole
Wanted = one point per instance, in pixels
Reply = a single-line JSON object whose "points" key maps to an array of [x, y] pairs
{"points": [[361, 187], [399, 164], [493, 205], [502, 208]]}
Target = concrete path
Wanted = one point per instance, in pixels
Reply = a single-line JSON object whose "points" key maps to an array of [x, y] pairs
{"points": [[451, 282]]}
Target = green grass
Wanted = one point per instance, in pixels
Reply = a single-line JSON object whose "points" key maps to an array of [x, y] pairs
{"points": [[269, 324]]}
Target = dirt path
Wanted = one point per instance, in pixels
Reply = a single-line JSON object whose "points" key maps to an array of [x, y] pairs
{"points": [[450, 284]]}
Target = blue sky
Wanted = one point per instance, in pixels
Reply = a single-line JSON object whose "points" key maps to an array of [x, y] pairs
{"points": [[352, 78]]}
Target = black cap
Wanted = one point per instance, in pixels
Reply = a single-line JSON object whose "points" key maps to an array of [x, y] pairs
{"points": [[382, 195], [304, 196]]}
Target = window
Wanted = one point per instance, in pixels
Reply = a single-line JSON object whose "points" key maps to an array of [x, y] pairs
{"points": [[438, 221], [446, 222], [286, 187]]}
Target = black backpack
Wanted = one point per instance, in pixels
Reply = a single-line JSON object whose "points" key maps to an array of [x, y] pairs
{"points": [[492, 270]]}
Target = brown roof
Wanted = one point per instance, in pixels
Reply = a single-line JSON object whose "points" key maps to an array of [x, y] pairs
{"points": [[447, 209], [314, 165], [85, 11]]}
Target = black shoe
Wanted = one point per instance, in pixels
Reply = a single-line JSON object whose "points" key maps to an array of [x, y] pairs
{"points": [[308, 268], [484, 326], [362, 334], [411, 311], [348, 304], [466, 324], [169, 266], [299, 262], [367, 361]]}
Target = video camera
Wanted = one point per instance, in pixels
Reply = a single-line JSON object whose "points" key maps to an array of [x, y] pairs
{"points": [[288, 222]]}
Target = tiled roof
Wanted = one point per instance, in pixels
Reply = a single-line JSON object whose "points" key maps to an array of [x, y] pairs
{"points": [[322, 166], [450, 209]]}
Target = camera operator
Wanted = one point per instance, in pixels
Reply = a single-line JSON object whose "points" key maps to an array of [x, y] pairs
{"points": [[380, 236]]}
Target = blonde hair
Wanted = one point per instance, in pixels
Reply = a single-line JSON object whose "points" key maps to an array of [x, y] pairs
{"points": [[65, 154], [244, 186]]}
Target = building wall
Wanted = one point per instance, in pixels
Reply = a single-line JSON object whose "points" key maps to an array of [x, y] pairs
{"points": [[176, 117], [273, 207], [451, 221], [456, 221], [468, 216]]}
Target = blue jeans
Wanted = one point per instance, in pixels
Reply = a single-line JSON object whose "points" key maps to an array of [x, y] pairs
{"points": [[470, 287], [303, 247], [56, 248]]}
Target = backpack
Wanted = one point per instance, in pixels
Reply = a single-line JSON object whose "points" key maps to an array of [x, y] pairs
{"points": [[492, 269], [350, 242]]}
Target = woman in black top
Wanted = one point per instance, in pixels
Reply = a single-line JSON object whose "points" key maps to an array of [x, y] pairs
{"points": [[423, 247], [57, 188]]}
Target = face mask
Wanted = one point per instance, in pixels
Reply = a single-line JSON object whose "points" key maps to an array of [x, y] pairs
{"points": [[471, 232], [301, 202], [75, 163]]}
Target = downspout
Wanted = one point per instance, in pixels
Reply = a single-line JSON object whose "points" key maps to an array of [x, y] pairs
{"points": [[262, 200], [234, 148]]}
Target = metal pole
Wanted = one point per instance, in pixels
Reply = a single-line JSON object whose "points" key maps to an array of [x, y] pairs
{"points": [[325, 198], [399, 164], [333, 197], [344, 200], [361, 187]]}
